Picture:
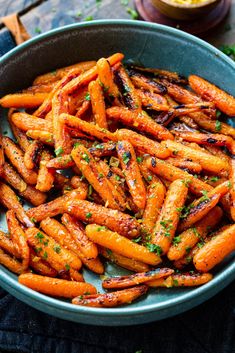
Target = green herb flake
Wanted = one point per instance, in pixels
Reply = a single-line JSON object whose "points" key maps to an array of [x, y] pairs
{"points": [[45, 255], [139, 159], [126, 157], [39, 236], [117, 177], [79, 14], [85, 157], [59, 151], [33, 220], [214, 178], [133, 13], [154, 248], [88, 215], [90, 189], [37, 30], [137, 240], [175, 283], [38, 249], [101, 228], [109, 252], [149, 177], [124, 2], [218, 113], [218, 125], [87, 96], [89, 18], [176, 240], [67, 267]]}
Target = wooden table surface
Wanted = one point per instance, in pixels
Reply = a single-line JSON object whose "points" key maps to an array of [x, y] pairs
{"points": [[42, 15]]}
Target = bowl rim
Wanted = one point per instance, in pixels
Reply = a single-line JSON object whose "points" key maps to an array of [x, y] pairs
{"points": [[211, 287]]}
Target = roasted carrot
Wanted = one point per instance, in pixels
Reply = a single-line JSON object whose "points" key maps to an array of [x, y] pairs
{"points": [[10, 263], [51, 251], [125, 262], [232, 190], [16, 157], [97, 103], [137, 278], [40, 266], [23, 100], [189, 238], [53, 208], [127, 157], [63, 162], [121, 245], [19, 135], [223, 101], [200, 207], [143, 143], [215, 250], [60, 73], [13, 178], [182, 163], [55, 286], [210, 163], [77, 231], [103, 149], [212, 125], [9, 199], [61, 235], [106, 79], [152, 100], [115, 220], [208, 139], [141, 81], [170, 172], [165, 228], [155, 198], [45, 177], [88, 128], [42, 136], [28, 122], [140, 121], [8, 246], [107, 300], [32, 155], [182, 280], [18, 238]]}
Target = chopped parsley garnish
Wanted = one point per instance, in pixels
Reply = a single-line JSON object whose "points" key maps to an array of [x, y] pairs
{"points": [[89, 18], [87, 96], [137, 240], [45, 255], [85, 157], [175, 283], [126, 157], [88, 215], [149, 177], [59, 151], [139, 159], [39, 236], [176, 240], [67, 267], [154, 248], [101, 228], [218, 125], [214, 178], [37, 30], [133, 13], [218, 113]]}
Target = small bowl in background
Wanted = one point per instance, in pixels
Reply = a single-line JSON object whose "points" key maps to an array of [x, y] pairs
{"points": [[178, 10]]}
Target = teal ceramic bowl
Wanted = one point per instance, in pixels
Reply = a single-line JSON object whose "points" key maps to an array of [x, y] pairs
{"points": [[153, 46]]}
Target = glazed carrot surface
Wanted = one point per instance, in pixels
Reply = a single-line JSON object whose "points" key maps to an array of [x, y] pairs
{"points": [[112, 163]]}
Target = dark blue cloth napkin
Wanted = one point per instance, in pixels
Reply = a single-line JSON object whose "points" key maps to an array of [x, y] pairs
{"points": [[209, 328]]}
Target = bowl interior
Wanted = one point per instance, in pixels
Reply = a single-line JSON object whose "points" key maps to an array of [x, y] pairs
{"points": [[185, 5], [142, 43]]}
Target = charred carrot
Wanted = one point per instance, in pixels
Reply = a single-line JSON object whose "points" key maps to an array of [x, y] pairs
{"points": [[107, 300], [137, 278], [182, 280]]}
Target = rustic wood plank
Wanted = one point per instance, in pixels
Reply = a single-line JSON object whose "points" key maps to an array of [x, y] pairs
{"points": [[55, 13]]}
